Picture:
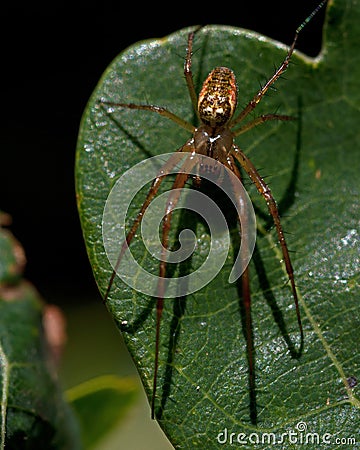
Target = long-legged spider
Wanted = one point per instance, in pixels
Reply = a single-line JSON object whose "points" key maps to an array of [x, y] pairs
{"points": [[214, 137]]}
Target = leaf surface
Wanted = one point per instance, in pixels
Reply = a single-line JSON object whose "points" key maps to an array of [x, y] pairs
{"points": [[33, 413], [312, 166]]}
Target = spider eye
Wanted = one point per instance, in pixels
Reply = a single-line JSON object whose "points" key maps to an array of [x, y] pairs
{"points": [[218, 97]]}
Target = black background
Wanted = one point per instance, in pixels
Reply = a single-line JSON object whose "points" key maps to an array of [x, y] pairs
{"points": [[52, 57]]}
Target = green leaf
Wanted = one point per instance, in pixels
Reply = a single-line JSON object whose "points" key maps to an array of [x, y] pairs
{"points": [[33, 411], [99, 405], [12, 259], [312, 166]]}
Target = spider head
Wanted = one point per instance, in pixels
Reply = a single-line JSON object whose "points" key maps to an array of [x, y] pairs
{"points": [[218, 97]]}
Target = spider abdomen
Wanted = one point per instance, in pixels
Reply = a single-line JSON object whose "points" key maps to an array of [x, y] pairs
{"points": [[218, 97]]}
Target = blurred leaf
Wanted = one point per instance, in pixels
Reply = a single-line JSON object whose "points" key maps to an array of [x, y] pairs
{"points": [[99, 405], [33, 411], [312, 166], [12, 259]]}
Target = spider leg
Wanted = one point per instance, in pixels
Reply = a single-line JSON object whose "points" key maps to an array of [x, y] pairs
{"points": [[157, 109], [259, 120], [188, 72], [260, 94], [246, 293], [163, 172], [281, 69], [265, 191], [171, 203], [245, 283]]}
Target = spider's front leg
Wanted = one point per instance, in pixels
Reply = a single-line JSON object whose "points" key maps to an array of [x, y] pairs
{"points": [[245, 288], [265, 191], [174, 196], [163, 173], [171, 203]]}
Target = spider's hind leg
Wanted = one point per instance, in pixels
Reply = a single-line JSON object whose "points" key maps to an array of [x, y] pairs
{"points": [[156, 109]]}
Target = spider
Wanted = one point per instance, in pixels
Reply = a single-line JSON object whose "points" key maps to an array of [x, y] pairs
{"points": [[215, 108]]}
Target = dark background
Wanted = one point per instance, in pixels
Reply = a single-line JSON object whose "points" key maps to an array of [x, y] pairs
{"points": [[52, 57]]}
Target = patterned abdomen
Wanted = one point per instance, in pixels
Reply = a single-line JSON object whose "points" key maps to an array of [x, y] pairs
{"points": [[218, 96]]}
